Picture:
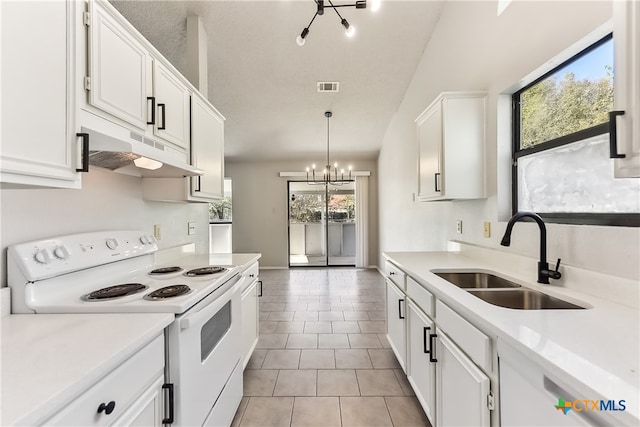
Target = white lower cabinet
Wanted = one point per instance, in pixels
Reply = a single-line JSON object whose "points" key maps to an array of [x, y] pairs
{"points": [[421, 371], [396, 323], [462, 389], [250, 309]]}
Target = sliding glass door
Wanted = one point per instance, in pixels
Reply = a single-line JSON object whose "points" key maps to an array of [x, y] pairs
{"points": [[321, 224]]}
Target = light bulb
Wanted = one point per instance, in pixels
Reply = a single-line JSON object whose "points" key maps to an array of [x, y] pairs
{"points": [[350, 31], [335, 165], [313, 166], [307, 169], [145, 163], [375, 5], [300, 41]]}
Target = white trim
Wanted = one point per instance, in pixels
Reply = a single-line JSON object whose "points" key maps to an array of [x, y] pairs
{"points": [[304, 174], [362, 221]]}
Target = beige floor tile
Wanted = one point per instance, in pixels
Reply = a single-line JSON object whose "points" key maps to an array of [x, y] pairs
{"points": [[350, 298], [255, 362], [281, 359], [329, 316], [296, 306], [333, 341], [338, 382], [316, 412], [404, 382], [309, 299], [268, 411], [267, 341], [290, 328], [272, 306], [353, 359], [306, 316], [240, 412], [329, 298], [268, 327], [384, 340], [406, 411], [356, 315], [296, 383], [372, 327], [281, 316], [317, 359], [364, 306], [259, 382], [317, 327], [383, 359], [345, 327], [376, 315], [364, 341], [378, 382], [264, 315], [302, 341], [364, 412], [341, 306], [320, 306]]}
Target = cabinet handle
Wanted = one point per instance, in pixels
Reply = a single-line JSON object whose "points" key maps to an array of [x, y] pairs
{"points": [[164, 118], [169, 387], [432, 349], [424, 339], [107, 408], [400, 316], [436, 178], [392, 273], [198, 182], [153, 109], [85, 152], [613, 135], [260, 283]]}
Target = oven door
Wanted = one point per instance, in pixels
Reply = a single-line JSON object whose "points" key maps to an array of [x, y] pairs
{"points": [[204, 346]]}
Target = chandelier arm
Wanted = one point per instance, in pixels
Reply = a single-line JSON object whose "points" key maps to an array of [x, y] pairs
{"points": [[335, 9], [312, 19]]}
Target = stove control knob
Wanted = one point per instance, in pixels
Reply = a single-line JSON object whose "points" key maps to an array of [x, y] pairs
{"points": [[112, 243], [143, 240], [150, 239], [62, 252], [43, 256]]}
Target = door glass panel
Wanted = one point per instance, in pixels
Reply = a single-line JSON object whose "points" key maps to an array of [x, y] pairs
{"points": [[214, 330]]}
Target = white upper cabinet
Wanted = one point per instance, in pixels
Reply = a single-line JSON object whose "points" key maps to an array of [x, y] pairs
{"points": [[39, 142], [451, 146], [626, 33], [172, 106], [117, 68]]}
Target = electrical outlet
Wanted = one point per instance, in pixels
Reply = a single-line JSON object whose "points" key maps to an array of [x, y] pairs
{"points": [[156, 232], [191, 228], [487, 229], [459, 226]]}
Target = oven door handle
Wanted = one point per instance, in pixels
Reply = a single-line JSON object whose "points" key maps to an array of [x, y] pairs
{"points": [[211, 304]]}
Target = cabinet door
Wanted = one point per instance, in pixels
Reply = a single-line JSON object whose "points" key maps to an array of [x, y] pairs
{"points": [[430, 182], [117, 68], [462, 390], [147, 410], [421, 372], [172, 106], [626, 15], [396, 310], [207, 150], [249, 309], [38, 104]]}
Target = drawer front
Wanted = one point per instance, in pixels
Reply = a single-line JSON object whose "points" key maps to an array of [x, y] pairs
{"points": [[396, 275], [466, 336], [122, 386], [422, 297]]}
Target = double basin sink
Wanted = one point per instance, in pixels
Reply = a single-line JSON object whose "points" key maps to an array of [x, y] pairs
{"points": [[504, 293]]}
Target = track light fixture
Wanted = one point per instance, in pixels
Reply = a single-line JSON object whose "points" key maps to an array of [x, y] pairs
{"points": [[349, 29]]}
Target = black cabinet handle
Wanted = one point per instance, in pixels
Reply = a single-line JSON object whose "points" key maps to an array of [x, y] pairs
{"points": [[169, 387], [424, 339], [164, 117], [251, 275], [392, 273], [153, 109], [197, 180], [400, 316], [85, 152], [107, 408], [432, 349], [613, 135], [260, 283], [436, 179]]}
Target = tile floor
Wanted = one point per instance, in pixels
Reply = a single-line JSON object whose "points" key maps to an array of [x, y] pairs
{"points": [[323, 358]]}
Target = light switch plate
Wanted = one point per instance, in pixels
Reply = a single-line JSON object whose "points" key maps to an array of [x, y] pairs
{"points": [[459, 226], [487, 229], [191, 228], [156, 232]]}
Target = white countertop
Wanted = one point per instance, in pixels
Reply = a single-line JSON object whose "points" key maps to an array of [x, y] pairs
{"points": [[49, 359], [595, 350]]}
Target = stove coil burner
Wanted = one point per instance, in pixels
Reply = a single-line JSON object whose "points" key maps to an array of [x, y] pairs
{"points": [[168, 292], [165, 270], [116, 291], [204, 271]]}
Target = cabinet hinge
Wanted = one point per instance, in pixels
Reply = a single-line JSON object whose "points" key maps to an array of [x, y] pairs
{"points": [[87, 83], [87, 19], [490, 401]]}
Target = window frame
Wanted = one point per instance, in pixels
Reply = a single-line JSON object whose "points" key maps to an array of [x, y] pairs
{"points": [[583, 218]]}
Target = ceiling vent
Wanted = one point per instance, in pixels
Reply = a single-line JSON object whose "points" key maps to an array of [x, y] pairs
{"points": [[328, 86]]}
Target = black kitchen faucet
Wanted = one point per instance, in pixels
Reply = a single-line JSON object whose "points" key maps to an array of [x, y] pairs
{"points": [[543, 266]]}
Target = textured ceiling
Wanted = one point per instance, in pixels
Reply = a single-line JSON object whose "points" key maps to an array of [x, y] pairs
{"points": [[265, 84]]}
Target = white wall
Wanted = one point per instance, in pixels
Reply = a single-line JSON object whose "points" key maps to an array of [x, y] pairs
{"points": [[260, 208], [473, 49], [107, 201]]}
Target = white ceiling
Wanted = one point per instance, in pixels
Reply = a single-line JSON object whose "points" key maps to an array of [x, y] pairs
{"points": [[265, 84]]}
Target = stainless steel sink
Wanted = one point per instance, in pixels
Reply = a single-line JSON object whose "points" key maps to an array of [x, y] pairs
{"points": [[476, 280], [522, 299]]}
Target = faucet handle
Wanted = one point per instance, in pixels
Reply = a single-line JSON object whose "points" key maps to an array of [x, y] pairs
{"points": [[556, 273]]}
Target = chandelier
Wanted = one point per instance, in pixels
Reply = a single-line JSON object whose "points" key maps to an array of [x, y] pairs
{"points": [[348, 29], [330, 173]]}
